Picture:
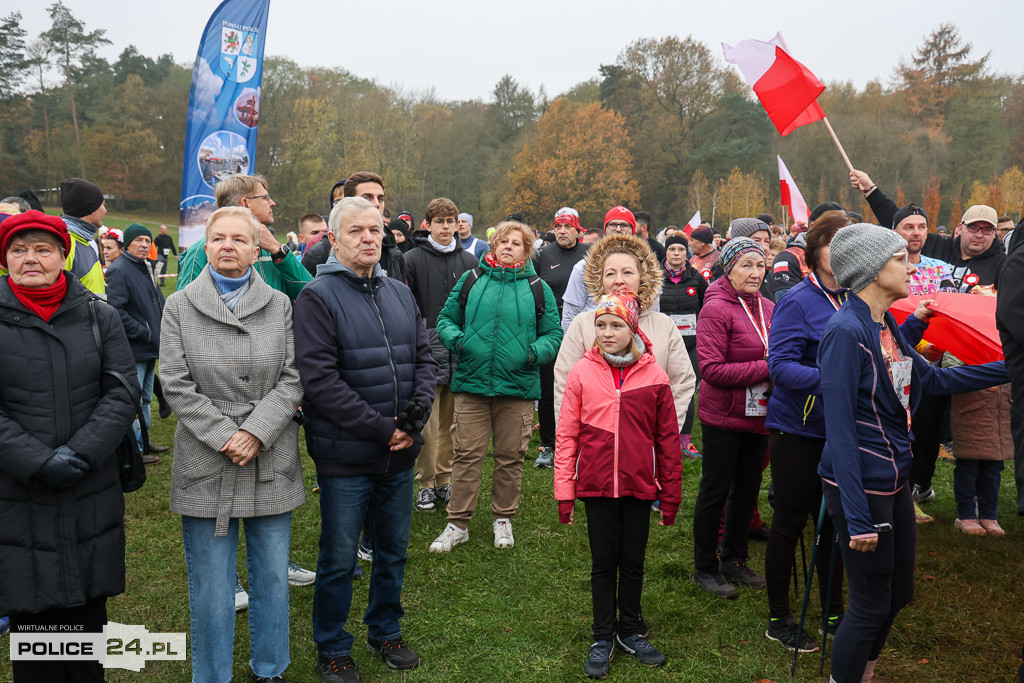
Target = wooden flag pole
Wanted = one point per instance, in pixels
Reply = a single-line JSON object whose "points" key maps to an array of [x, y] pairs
{"points": [[839, 145]]}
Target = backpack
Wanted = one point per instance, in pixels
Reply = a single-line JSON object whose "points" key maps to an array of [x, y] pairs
{"points": [[536, 287]]}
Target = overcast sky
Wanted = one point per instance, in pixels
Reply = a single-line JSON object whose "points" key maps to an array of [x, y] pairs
{"points": [[461, 48]]}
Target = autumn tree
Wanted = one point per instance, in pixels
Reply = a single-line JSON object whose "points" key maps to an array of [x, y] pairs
{"points": [[582, 157], [13, 60], [513, 107], [932, 201], [741, 194], [1012, 185]]}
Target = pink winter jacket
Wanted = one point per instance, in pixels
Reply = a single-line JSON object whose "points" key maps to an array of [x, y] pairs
{"points": [[731, 357], [617, 441]]}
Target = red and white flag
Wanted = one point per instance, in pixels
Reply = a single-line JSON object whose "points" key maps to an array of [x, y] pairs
{"points": [[692, 225], [786, 88], [791, 196]]}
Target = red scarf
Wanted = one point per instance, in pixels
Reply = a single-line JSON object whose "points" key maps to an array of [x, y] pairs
{"points": [[42, 301], [493, 262]]}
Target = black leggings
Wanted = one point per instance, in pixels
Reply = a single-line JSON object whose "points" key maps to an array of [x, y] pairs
{"points": [[692, 412], [546, 404], [731, 476], [794, 461], [617, 528], [930, 421], [881, 582]]}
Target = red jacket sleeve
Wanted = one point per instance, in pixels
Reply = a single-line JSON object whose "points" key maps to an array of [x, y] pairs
{"points": [[668, 453]]}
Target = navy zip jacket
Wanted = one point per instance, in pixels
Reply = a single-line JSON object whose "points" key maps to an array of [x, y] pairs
{"points": [[798, 321], [362, 353], [867, 448]]}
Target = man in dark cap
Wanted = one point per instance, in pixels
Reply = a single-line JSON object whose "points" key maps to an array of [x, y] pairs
{"points": [[705, 256], [84, 209]]}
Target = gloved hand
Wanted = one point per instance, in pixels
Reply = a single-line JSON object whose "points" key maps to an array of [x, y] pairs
{"points": [[411, 420], [62, 470]]}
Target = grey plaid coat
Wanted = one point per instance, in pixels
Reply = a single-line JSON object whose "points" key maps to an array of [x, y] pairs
{"points": [[221, 372]]}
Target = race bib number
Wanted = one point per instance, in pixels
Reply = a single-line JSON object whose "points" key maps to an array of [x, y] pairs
{"points": [[901, 373], [686, 323], [167, 252], [757, 399]]}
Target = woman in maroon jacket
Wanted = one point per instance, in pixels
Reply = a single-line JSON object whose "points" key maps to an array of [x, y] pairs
{"points": [[732, 348]]}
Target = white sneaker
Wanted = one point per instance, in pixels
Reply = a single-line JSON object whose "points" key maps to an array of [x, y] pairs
{"points": [[241, 598], [503, 533], [297, 576], [449, 538]]}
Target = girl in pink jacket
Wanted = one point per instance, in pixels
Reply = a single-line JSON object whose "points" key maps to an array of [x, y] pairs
{"points": [[617, 448]]}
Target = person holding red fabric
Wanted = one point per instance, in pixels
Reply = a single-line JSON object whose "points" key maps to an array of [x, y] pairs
{"points": [[616, 411], [62, 414]]}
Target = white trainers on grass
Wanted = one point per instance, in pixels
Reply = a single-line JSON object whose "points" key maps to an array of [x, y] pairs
{"points": [[503, 533], [449, 538]]}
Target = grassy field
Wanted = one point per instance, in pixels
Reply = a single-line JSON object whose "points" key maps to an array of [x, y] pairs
{"points": [[482, 614]]}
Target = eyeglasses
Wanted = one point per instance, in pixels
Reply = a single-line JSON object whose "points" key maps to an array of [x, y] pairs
{"points": [[442, 221], [265, 197], [986, 230], [619, 224], [901, 257]]}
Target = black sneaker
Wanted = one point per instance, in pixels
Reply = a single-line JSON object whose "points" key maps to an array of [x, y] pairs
{"points": [[833, 625], [337, 669], [599, 661], [716, 585], [738, 571], [785, 630], [638, 646], [265, 679], [396, 654]]}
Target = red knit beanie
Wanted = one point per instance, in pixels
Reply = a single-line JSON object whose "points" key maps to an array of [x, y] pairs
{"points": [[31, 220], [620, 213]]}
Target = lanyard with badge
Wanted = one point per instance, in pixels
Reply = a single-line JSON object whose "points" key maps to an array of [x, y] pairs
{"points": [[757, 394], [834, 300]]}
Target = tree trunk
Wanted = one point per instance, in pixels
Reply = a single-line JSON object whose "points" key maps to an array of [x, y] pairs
{"points": [[74, 111]]}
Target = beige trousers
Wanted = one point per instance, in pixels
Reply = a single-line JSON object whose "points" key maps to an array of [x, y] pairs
{"points": [[434, 463], [476, 418]]}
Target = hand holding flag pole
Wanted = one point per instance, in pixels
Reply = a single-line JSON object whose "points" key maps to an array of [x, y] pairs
{"points": [[787, 89]]}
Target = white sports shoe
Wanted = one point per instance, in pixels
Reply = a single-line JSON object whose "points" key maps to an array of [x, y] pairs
{"points": [[449, 538], [503, 533]]}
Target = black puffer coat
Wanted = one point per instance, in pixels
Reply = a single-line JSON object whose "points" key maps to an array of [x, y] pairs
{"points": [[61, 548], [432, 274], [686, 296]]}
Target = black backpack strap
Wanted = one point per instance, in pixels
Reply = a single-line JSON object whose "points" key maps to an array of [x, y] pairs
{"points": [[537, 287], [93, 320], [467, 285]]}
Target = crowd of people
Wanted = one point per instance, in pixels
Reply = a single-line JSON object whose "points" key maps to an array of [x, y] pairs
{"points": [[407, 352]]}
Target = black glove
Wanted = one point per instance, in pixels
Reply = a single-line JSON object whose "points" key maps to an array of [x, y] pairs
{"points": [[62, 470], [411, 420]]}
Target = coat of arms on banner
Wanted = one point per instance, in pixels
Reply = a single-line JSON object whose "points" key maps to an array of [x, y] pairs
{"points": [[237, 54]]}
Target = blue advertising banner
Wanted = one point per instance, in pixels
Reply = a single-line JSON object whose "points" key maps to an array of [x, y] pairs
{"points": [[223, 108]]}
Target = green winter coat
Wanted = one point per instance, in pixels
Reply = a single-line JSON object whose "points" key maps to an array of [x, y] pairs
{"points": [[500, 342]]}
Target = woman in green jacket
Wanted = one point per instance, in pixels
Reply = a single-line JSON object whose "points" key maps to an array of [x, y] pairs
{"points": [[504, 327]]}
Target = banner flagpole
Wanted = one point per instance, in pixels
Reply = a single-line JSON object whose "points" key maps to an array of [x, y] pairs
{"points": [[839, 145]]}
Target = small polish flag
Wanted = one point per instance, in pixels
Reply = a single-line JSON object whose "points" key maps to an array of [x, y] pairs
{"points": [[791, 196], [694, 222], [786, 88], [780, 267]]}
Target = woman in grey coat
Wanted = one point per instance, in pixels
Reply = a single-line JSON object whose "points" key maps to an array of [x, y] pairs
{"points": [[227, 362]]}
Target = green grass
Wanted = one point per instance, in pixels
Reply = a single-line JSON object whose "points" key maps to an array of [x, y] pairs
{"points": [[482, 614]]}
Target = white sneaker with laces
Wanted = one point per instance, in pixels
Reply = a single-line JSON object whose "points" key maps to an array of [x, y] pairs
{"points": [[503, 533], [449, 538], [297, 576], [241, 598]]}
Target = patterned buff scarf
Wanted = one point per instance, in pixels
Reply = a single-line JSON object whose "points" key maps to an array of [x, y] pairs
{"points": [[493, 262], [674, 274]]}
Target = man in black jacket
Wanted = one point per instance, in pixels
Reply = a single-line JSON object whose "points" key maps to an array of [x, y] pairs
{"points": [[1010, 322], [975, 254], [370, 187], [434, 266], [368, 376], [554, 263], [164, 250]]}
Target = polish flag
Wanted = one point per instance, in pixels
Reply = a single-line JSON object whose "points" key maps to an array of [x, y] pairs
{"points": [[791, 196], [786, 88], [692, 225]]}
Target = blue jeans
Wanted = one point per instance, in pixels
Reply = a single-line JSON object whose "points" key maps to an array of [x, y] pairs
{"points": [[344, 504], [146, 371], [976, 479], [211, 595]]}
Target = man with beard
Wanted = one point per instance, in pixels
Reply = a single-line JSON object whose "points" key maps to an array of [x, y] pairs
{"points": [[554, 264]]}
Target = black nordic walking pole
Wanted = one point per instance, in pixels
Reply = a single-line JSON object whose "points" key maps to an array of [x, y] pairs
{"points": [[807, 586], [828, 598]]}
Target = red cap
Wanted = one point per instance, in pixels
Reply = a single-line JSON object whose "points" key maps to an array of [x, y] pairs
{"points": [[31, 220], [620, 213]]}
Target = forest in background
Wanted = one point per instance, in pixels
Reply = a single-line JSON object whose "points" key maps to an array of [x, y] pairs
{"points": [[668, 128]]}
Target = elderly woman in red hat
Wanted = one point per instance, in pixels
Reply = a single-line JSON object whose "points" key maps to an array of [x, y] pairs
{"points": [[62, 414]]}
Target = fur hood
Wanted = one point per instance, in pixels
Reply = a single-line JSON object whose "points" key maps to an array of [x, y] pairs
{"points": [[650, 271]]}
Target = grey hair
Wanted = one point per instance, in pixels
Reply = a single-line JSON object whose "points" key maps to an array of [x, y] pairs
{"points": [[18, 202], [349, 205]]}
